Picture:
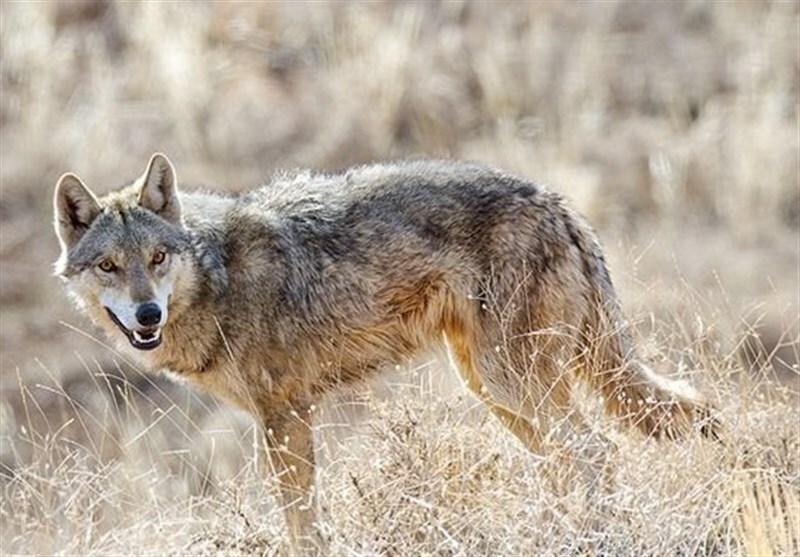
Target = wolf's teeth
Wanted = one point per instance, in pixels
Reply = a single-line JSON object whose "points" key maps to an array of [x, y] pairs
{"points": [[137, 336]]}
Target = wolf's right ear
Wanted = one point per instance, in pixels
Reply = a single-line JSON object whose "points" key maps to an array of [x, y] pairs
{"points": [[159, 191], [75, 209]]}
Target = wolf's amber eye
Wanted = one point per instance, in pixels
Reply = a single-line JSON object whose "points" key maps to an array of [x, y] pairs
{"points": [[159, 257], [107, 266]]}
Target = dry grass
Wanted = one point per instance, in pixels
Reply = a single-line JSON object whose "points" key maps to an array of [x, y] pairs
{"points": [[406, 470], [672, 125]]}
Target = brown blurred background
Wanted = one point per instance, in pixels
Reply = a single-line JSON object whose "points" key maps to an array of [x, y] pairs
{"points": [[672, 125]]}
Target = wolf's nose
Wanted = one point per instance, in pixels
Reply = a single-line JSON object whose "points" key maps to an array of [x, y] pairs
{"points": [[148, 314]]}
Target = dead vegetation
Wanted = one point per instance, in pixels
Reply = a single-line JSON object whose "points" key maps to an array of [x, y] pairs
{"points": [[672, 125]]}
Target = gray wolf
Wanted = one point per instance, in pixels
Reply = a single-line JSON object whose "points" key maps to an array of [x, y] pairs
{"points": [[274, 297]]}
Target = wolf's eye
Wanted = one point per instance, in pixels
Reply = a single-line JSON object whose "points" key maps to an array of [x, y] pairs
{"points": [[107, 266], [159, 257]]}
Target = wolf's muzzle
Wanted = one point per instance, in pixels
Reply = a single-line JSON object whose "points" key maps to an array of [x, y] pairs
{"points": [[147, 337]]}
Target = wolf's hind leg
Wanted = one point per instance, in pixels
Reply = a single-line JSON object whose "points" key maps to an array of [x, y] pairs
{"points": [[536, 406], [461, 352]]}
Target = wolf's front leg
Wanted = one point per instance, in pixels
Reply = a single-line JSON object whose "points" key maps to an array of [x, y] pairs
{"points": [[292, 457]]}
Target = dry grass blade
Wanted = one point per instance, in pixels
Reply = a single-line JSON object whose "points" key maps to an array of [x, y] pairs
{"points": [[767, 520]]}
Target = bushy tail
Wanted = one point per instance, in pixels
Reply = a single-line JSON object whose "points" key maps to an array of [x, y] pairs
{"points": [[641, 398]]}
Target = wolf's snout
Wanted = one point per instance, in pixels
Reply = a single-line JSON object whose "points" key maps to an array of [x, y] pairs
{"points": [[148, 314]]}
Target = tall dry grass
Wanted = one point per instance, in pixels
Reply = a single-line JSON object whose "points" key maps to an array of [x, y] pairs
{"points": [[672, 125], [408, 467]]}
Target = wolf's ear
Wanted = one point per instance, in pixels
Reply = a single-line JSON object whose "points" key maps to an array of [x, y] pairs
{"points": [[159, 191], [75, 209]]}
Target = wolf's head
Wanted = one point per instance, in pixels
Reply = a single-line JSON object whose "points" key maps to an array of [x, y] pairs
{"points": [[125, 255]]}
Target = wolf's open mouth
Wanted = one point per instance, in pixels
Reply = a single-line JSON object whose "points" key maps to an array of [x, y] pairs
{"points": [[145, 338]]}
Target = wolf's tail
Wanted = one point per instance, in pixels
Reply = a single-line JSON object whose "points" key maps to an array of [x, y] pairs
{"points": [[631, 391], [641, 398]]}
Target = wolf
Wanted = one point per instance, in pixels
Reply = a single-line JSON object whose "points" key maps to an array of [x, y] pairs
{"points": [[274, 297]]}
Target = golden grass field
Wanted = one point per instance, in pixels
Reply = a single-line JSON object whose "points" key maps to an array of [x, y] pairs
{"points": [[672, 125]]}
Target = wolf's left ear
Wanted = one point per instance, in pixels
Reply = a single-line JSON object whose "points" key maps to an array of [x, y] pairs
{"points": [[159, 191]]}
